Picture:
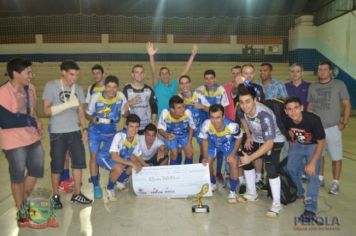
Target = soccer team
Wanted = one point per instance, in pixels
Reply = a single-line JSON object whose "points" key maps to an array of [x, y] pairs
{"points": [[229, 123]]}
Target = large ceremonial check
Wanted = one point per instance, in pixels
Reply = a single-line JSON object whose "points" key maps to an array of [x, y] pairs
{"points": [[175, 181]]}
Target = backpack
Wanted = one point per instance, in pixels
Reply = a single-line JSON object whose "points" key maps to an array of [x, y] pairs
{"points": [[288, 187], [41, 209], [277, 106]]}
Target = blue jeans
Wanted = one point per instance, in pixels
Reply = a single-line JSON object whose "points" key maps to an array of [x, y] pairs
{"points": [[298, 156]]}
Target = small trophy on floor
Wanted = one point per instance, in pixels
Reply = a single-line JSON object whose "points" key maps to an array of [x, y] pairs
{"points": [[200, 208]]}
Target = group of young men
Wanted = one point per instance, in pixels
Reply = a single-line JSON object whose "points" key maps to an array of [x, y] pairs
{"points": [[229, 123]]}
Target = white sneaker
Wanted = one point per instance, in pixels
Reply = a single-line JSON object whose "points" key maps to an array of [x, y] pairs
{"points": [[121, 186], [274, 210], [334, 190], [232, 197], [214, 187], [111, 195], [250, 197]]}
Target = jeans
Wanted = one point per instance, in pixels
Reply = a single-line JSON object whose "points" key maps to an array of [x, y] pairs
{"points": [[298, 156]]}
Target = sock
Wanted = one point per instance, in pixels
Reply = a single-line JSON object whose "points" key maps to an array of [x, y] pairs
{"points": [[336, 181], [65, 175], [179, 158], [122, 177], [219, 162], [188, 160], [233, 184], [250, 177], [258, 177], [95, 180], [321, 178], [242, 180], [213, 180], [174, 162], [111, 185], [276, 189]]}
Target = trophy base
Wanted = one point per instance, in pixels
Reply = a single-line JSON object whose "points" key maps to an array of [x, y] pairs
{"points": [[203, 209]]}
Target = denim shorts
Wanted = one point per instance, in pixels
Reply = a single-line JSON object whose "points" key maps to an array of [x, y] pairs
{"points": [[30, 157]]}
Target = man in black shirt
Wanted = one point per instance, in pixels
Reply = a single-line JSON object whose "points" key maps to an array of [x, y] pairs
{"points": [[308, 140]]}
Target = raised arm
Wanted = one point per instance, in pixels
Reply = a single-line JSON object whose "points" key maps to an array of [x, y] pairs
{"points": [[151, 51], [190, 61]]}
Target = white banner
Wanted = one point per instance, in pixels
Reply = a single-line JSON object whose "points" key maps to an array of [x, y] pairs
{"points": [[176, 181]]}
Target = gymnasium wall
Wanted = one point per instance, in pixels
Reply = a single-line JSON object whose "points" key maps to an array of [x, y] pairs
{"points": [[333, 41]]}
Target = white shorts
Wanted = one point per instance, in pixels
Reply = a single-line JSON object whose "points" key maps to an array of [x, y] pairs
{"points": [[333, 140]]}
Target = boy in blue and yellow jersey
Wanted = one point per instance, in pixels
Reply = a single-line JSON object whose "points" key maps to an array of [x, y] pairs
{"points": [[196, 103], [221, 135], [125, 155], [103, 112], [176, 127], [215, 94]]}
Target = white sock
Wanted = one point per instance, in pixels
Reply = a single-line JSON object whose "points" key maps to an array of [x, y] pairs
{"points": [[250, 177], [258, 177], [336, 181], [321, 178], [242, 180], [276, 189]]}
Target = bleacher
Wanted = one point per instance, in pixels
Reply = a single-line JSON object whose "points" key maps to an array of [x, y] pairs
{"points": [[50, 70]]}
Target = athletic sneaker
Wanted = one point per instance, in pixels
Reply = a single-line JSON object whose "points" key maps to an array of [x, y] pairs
{"points": [[111, 195], [274, 210], [23, 215], [214, 187], [56, 200], [121, 186], [232, 197], [80, 198], [260, 184], [242, 189], [309, 217], [250, 197], [66, 186], [22, 222], [334, 188], [98, 193]]}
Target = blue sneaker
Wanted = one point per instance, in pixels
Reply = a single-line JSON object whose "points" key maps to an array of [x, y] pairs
{"points": [[98, 193]]}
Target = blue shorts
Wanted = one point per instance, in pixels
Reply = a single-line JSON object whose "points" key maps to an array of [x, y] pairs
{"points": [[105, 163], [212, 152], [99, 141], [178, 142]]}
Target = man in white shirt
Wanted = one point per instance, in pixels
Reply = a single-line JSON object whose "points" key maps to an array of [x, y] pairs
{"points": [[154, 152]]}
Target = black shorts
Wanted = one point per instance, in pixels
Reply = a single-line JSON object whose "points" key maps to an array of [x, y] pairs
{"points": [[63, 142], [153, 161]]}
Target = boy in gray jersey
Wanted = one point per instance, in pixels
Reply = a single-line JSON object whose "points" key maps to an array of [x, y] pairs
{"points": [[267, 143]]}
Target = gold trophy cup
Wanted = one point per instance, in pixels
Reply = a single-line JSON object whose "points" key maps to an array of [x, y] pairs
{"points": [[105, 111], [200, 208]]}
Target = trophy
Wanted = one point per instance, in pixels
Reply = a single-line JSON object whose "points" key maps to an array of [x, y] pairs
{"points": [[200, 208], [105, 111]]}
